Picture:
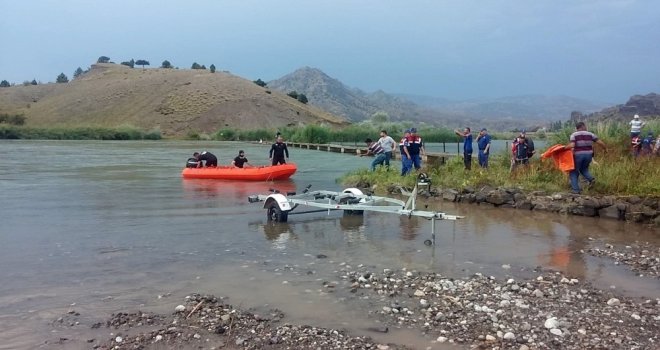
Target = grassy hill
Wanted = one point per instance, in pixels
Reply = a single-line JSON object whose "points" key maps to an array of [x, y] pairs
{"points": [[175, 101]]}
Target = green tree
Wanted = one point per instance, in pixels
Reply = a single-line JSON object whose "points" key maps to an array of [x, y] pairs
{"points": [[302, 98], [142, 63], [77, 73], [260, 82], [212, 67], [103, 59], [34, 82], [202, 67], [380, 117], [130, 63], [196, 65], [4, 83], [166, 64], [62, 78], [293, 94]]}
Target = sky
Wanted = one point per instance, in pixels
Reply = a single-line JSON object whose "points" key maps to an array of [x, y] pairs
{"points": [[602, 50]]}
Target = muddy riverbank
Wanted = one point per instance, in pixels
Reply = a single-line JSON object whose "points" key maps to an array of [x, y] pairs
{"points": [[625, 208]]}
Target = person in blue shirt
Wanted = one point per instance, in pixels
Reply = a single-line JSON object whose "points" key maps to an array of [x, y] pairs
{"points": [[467, 146], [647, 144], [483, 142]]}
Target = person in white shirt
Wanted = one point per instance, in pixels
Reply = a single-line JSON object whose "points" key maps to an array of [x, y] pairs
{"points": [[636, 126], [388, 145]]}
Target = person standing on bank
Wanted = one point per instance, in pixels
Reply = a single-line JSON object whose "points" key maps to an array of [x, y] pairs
{"points": [[636, 126], [581, 142], [277, 152], [415, 149], [467, 146], [483, 142], [374, 148], [208, 158], [406, 162], [388, 145], [240, 161]]}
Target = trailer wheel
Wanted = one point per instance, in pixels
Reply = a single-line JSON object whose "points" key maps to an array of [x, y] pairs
{"points": [[350, 212], [274, 213]]}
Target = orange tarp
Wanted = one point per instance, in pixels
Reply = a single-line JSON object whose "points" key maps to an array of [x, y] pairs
{"points": [[563, 157]]}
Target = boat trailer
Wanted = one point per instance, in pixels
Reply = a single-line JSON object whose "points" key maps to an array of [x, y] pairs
{"points": [[351, 200]]}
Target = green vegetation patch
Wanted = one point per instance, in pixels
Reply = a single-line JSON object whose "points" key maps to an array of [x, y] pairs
{"points": [[77, 133]]}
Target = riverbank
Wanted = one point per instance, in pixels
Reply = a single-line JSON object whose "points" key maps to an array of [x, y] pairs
{"points": [[15, 132], [545, 310]]}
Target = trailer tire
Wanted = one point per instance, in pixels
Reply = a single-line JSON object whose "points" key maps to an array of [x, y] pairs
{"points": [[274, 213], [350, 212]]}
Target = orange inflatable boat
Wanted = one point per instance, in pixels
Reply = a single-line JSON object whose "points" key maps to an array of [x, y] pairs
{"points": [[259, 173]]}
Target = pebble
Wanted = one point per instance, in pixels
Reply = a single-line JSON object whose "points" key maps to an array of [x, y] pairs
{"points": [[537, 293], [419, 293], [180, 308], [505, 303], [556, 331], [442, 339], [524, 347], [551, 323], [506, 266], [613, 302], [636, 316], [490, 338], [159, 337], [423, 302], [119, 339], [509, 336]]}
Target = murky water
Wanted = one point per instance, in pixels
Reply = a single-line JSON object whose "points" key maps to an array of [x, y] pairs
{"points": [[110, 226]]}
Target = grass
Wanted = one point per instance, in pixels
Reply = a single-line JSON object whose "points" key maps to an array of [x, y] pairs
{"points": [[77, 133], [616, 171]]}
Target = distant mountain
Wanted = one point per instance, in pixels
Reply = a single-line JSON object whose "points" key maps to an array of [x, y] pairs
{"points": [[500, 113], [175, 100], [333, 96], [647, 106], [537, 107]]}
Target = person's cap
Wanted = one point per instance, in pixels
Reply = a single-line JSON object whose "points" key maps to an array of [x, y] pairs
{"points": [[407, 131], [368, 140], [413, 130], [484, 129], [636, 116]]}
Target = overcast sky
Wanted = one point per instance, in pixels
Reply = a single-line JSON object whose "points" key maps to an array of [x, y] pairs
{"points": [[597, 49]]}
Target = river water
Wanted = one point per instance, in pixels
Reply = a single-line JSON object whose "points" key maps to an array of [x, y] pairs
{"points": [[108, 226]]}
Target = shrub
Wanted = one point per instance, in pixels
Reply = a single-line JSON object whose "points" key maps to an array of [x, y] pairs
{"points": [[166, 64], [212, 68], [302, 98], [260, 82], [293, 94], [103, 59], [15, 119], [62, 78]]}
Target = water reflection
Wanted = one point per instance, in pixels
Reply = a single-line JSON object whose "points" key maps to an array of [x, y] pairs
{"points": [[409, 227], [239, 190]]}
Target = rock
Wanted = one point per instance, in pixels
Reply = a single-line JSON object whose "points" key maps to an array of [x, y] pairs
{"points": [[509, 336], [159, 337], [419, 293], [119, 339], [582, 331], [423, 302], [537, 293], [551, 323], [505, 303], [611, 212], [490, 338], [524, 347], [450, 195], [321, 256], [613, 302], [636, 316], [387, 309], [382, 347], [524, 205], [556, 331], [180, 308], [499, 197], [506, 266], [442, 339]]}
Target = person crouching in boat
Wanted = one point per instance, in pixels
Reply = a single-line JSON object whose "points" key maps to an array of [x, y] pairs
{"points": [[278, 151], [192, 162], [240, 161], [208, 158]]}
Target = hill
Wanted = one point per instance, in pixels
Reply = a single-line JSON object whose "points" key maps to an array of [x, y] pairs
{"points": [[333, 96], [500, 114], [176, 101], [647, 106]]}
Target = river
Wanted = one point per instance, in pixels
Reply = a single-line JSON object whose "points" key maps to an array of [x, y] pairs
{"points": [[104, 226]]}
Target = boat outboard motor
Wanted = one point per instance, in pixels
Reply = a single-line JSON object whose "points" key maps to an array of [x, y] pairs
{"points": [[192, 163]]}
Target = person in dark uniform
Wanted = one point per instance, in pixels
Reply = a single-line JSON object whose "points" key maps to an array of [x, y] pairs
{"points": [[208, 158], [240, 160], [193, 163], [278, 151]]}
